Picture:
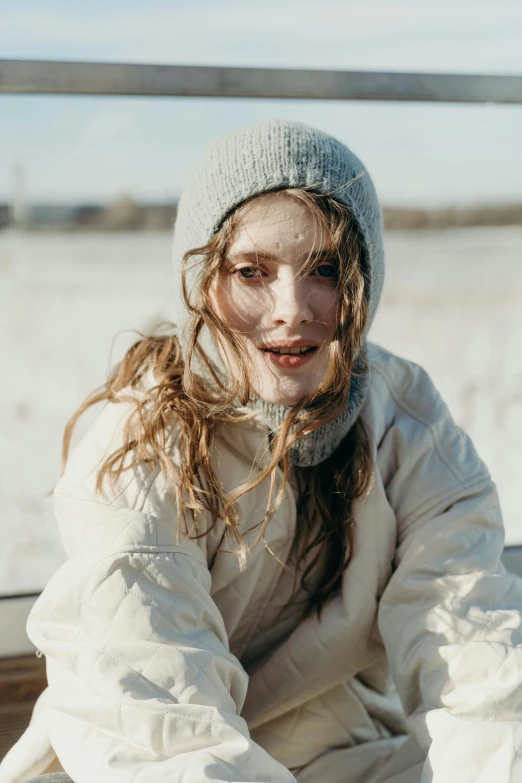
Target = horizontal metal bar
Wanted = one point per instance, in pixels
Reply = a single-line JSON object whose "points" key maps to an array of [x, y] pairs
{"points": [[85, 78], [18, 596]]}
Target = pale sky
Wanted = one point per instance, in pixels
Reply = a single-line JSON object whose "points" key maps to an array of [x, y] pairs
{"points": [[75, 148]]}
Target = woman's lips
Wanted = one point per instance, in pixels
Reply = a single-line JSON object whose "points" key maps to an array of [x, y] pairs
{"points": [[290, 360]]}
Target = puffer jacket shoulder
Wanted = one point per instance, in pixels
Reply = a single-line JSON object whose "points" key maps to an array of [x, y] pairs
{"points": [[413, 429]]}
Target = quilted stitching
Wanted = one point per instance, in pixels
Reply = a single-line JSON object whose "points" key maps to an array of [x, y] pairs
{"points": [[140, 672]]}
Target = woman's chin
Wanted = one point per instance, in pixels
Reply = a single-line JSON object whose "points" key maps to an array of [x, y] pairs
{"points": [[280, 398]]}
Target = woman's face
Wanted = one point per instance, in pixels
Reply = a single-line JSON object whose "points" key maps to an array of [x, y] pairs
{"points": [[258, 295]]}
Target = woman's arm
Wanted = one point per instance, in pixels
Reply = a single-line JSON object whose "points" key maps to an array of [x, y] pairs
{"points": [[450, 616], [142, 684]]}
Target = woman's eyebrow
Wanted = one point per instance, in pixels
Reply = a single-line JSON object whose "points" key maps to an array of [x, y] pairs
{"points": [[260, 255], [254, 254]]}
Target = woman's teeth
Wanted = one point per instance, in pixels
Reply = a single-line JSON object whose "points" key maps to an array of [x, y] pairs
{"points": [[303, 349]]}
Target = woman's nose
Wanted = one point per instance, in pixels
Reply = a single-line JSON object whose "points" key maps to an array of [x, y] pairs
{"points": [[291, 302]]}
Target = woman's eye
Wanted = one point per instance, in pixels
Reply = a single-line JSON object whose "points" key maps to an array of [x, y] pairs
{"points": [[250, 270], [331, 272], [326, 271]]}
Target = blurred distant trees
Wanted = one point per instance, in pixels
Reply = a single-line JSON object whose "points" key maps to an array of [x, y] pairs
{"points": [[406, 219], [127, 214]]}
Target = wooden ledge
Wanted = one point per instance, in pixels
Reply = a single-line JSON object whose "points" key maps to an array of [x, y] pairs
{"points": [[22, 678]]}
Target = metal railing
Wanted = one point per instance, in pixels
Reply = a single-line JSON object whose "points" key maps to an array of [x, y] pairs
{"points": [[90, 78]]}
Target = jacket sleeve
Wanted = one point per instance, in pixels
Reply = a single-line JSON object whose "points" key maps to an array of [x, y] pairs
{"points": [[450, 615], [143, 687]]}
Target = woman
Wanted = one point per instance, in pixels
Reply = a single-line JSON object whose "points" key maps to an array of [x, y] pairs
{"points": [[268, 500]]}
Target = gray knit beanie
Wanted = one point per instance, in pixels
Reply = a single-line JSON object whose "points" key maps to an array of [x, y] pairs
{"points": [[272, 155]]}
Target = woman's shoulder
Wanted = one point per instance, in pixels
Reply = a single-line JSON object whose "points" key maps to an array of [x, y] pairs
{"points": [[399, 383], [126, 513], [103, 437], [412, 427]]}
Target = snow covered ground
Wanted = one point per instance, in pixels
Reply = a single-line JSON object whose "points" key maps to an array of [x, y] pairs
{"points": [[452, 302]]}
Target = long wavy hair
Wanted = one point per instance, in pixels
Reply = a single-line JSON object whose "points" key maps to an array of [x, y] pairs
{"points": [[189, 397]]}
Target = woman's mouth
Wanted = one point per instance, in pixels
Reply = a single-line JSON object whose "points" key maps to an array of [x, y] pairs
{"points": [[282, 357]]}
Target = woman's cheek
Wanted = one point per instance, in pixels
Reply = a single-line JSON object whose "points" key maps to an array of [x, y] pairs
{"points": [[325, 303], [241, 313], [247, 306], [333, 307], [228, 303]]}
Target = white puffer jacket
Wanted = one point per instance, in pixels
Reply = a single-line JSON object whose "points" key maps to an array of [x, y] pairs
{"points": [[162, 671]]}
